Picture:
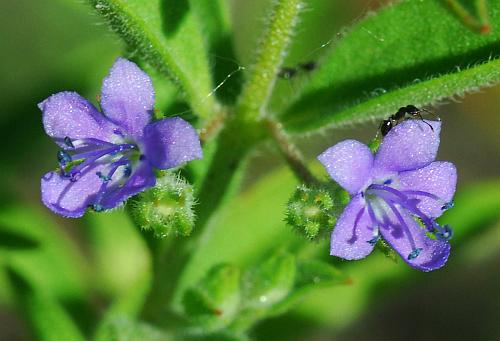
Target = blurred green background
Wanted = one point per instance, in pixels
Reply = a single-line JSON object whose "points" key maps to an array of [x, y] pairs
{"points": [[54, 45]]}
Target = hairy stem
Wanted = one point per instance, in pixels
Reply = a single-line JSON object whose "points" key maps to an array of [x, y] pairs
{"points": [[269, 57], [221, 182], [290, 152]]}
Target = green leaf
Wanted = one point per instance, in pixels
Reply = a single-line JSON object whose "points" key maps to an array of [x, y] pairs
{"points": [[410, 52], [15, 241], [120, 257], [214, 17], [269, 56], [45, 256], [269, 282], [122, 328], [214, 302], [311, 274], [47, 318], [168, 36]]}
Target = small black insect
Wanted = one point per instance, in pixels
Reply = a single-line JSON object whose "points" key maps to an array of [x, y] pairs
{"points": [[288, 72], [400, 115]]}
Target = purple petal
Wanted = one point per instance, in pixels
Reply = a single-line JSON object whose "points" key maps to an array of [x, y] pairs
{"points": [[349, 241], [127, 96], [439, 178], [70, 199], [410, 145], [349, 163], [434, 253], [171, 142], [142, 178], [69, 114]]}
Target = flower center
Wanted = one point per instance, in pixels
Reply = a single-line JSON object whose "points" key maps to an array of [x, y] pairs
{"points": [[385, 204], [86, 155]]}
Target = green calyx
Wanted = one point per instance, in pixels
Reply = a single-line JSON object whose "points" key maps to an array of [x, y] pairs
{"points": [[313, 210], [167, 208]]}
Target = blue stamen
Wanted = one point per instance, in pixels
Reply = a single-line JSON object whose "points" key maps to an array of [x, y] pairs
{"points": [[414, 254], [448, 205], [97, 207], [68, 142], [388, 182], [127, 171], [63, 157], [374, 240], [444, 233], [104, 178]]}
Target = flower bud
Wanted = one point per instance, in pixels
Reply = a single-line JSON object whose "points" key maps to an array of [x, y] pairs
{"points": [[312, 210], [213, 303], [167, 208]]}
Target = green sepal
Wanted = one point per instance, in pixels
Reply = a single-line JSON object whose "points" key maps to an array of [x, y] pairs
{"points": [[214, 302], [123, 328], [167, 208], [313, 209], [270, 282], [387, 250]]}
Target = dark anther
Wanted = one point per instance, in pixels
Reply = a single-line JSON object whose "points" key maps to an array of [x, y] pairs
{"points": [[68, 142], [414, 254], [388, 182], [127, 171], [63, 157], [447, 206], [104, 178], [97, 207], [444, 233], [374, 240]]}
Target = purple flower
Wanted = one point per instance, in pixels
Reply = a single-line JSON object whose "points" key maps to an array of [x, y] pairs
{"points": [[398, 194], [106, 158]]}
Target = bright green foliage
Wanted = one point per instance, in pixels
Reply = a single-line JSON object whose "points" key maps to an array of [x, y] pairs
{"points": [[33, 247], [268, 59], [166, 209], [213, 304], [122, 328], [157, 31], [414, 52], [270, 282], [47, 317]]}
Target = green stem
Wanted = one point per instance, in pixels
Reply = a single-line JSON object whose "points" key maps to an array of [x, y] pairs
{"points": [[269, 57], [290, 152], [482, 12], [463, 14], [221, 182]]}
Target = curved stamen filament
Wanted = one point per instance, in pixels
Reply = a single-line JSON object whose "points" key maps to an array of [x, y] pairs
{"points": [[93, 156], [409, 204], [356, 221], [404, 226], [446, 204], [106, 181], [376, 223]]}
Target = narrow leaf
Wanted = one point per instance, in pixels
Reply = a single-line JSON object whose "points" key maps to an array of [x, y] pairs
{"points": [[167, 35], [411, 52], [47, 318]]}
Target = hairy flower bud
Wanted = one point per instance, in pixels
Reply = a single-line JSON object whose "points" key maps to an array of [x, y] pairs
{"points": [[167, 208], [312, 211]]}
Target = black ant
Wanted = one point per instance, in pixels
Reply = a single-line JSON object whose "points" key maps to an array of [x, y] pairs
{"points": [[400, 115], [288, 72]]}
